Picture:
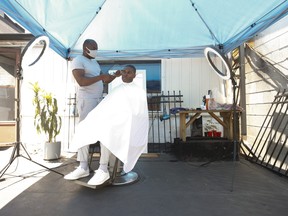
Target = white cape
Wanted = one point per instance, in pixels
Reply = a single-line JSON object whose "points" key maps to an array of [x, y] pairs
{"points": [[120, 122]]}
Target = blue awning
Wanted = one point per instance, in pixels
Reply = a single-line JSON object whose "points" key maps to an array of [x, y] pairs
{"points": [[145, 28]]}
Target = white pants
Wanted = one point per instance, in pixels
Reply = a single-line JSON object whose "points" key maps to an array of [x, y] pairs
{"points": [[84, 106], [83, 154], [104, 155]]}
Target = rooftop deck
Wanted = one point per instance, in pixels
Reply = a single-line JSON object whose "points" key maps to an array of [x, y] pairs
{"points": [[166, 186]]}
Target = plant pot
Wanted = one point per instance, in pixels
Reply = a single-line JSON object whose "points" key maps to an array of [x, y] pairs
{"points": [[52, 150]]}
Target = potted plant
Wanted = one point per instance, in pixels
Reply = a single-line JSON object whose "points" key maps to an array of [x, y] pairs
{"points": [[47, 121]]}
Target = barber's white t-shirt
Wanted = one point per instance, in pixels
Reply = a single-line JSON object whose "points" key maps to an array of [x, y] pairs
{"points": [[91, 68]]}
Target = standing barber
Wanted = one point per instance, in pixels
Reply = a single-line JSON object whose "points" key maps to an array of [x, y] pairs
{"points": [[86, 72]]}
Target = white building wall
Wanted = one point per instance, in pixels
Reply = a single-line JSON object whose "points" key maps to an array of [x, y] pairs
{"points": [[193, 77], [273, 44], [263, 83], [53, 75], [261, 87]]}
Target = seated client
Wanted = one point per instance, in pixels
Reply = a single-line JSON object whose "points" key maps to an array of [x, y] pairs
{"points": [[120, 122]]}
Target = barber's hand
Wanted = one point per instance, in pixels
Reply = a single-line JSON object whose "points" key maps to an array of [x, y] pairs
{"points": [[117, 73], [107, 78]]}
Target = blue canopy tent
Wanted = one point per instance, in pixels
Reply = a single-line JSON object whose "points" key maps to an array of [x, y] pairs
{"points": [[150, 28]]}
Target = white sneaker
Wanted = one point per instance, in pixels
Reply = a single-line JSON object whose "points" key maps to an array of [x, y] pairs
{"points": [[77, 173], [99, 177]]}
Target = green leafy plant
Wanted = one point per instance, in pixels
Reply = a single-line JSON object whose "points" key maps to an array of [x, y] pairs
{"points": [[46, 118]]}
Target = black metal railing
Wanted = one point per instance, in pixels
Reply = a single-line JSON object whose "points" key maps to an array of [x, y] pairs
{"points": [[163, 120], [269, 148]]}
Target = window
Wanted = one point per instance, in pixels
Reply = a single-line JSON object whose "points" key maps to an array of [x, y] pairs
{"points": [[7, 83]]}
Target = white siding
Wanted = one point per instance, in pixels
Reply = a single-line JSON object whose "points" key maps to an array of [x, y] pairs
{"points": [[53, 75], [193, 77]]}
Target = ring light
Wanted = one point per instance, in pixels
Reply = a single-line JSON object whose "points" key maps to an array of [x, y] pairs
{"points": [[207, 52], [30, 46]]}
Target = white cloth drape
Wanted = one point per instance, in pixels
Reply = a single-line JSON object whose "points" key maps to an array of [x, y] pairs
{"points": [[120, 122]]}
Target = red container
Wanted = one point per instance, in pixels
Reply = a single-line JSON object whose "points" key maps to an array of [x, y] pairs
{"points": [[210, 133], [217, 134]]}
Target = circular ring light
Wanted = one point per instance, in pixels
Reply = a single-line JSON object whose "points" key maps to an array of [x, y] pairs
{"points": [[224, 75], [30, 46]]}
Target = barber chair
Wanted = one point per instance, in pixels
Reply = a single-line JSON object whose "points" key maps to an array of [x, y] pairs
{"points": [[117, 175]]}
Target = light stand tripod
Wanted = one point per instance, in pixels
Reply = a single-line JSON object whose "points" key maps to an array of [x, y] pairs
{"points": [[18, 144], [235, 143], [226, 74]]}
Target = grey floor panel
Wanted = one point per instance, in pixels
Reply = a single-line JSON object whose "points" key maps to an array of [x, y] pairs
{"points": [[166, 187]]}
